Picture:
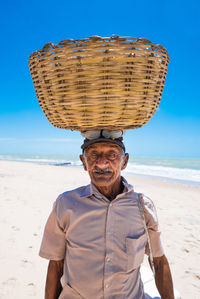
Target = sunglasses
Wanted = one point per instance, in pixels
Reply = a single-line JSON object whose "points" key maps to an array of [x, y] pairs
{"points": [[94, 134]]}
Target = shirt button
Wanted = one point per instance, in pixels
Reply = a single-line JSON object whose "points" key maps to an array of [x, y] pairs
{"points": [[111, 205], [107, 285], [108, 259]]}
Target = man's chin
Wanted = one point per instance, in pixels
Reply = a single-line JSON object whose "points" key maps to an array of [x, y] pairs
{"points": [[102, 179]]}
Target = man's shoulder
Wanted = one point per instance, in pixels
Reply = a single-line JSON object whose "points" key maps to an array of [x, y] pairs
{"points": [[145, 200], [69, 200], [81, 191]]}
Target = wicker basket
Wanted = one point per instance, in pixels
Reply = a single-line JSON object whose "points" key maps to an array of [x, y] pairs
{"points": [[107, 83]]}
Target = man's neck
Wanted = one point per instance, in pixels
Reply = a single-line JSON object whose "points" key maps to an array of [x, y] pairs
{"points": [[111, 191]]}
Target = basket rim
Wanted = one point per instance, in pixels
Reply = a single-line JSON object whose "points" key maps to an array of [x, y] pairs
{"points": [[96, 38]]}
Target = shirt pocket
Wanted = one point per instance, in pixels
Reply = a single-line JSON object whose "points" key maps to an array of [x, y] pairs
{"points": [[135, 247]]}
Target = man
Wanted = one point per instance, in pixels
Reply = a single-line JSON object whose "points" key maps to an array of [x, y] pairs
{"points": [[95, 237]]}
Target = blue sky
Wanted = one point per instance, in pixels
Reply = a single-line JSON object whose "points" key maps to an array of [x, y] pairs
{"points": [[26, 26]]}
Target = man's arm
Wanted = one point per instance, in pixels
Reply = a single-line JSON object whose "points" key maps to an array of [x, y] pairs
{"points": [[53, 286], [163, 277]]}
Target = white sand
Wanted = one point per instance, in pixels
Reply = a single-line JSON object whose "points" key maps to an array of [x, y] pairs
{"points": [[27, 192]]}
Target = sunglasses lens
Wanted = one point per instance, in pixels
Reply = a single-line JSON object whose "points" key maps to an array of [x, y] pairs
{"points": [[112, 134], [92, 134]]}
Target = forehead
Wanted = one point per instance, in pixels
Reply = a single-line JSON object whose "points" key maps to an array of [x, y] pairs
{"points": [[99, 146]]}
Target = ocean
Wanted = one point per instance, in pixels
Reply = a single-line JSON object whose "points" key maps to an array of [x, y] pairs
{"points": [[180, 170]]}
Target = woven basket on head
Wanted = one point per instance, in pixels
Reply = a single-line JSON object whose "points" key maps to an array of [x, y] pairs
{"points": [[99, 83]]}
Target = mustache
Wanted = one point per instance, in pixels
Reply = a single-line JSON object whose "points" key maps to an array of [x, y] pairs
{"points": [[105, 170]]}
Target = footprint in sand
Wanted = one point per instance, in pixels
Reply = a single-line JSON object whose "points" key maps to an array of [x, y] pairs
{"points": [[11, 282], [26, 263], [187, 272], [185, 250], [15, 228], [197, 276], [31, 289]]}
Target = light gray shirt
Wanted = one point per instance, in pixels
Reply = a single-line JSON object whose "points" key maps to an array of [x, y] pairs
{"points": [[102, 242]]}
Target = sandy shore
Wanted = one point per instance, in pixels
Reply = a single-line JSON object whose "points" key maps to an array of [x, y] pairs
{"points": [[27, 192]]}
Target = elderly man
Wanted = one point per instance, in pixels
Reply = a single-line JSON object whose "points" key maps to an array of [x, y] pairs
{"points": [[95, 237]]}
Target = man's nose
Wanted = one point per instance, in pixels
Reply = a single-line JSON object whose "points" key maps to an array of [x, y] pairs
{"points": [[102, 160]]}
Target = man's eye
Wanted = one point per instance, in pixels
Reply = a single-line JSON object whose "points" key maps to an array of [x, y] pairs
{"points": [[112, 156]]}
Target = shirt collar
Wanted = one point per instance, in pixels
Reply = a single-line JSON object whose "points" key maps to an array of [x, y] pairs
{"points": [[127, 186], [87, 191], [92, 190]]}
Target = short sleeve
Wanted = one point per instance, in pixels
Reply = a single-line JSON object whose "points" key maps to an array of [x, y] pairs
{"points": [[152, 226], [53, 244]]}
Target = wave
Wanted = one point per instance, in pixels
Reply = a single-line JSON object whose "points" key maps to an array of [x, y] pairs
{"points": [[173, 173]]}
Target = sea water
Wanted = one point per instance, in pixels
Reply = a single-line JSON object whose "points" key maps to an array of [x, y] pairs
{"points": [[180, 170]]}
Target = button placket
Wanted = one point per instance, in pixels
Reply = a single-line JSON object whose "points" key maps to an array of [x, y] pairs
{"points": [[106, 285], [108, 249]]}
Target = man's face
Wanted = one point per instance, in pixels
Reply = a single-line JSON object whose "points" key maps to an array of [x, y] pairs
{"points": [[104, 162]]}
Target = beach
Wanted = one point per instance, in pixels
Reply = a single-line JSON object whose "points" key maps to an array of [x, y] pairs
{"points": [[27, 193]]}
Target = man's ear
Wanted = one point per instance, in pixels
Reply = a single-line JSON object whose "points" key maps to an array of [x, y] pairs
{"points": [[125, 162], [83, 161]]}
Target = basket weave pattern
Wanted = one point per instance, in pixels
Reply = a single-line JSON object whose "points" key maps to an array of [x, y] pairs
{"points": [[107, 83]]}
